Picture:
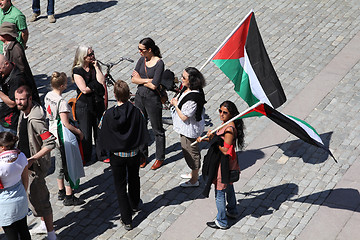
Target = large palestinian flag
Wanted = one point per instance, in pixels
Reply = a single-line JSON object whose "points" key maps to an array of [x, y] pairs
{"points": [[298, 127], [244, 60]]}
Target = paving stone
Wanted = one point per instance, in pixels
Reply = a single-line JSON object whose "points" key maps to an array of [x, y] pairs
{"points": [[300, 44]]}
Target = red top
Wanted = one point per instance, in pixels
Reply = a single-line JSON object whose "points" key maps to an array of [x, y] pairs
{"points": [[233, 163]]}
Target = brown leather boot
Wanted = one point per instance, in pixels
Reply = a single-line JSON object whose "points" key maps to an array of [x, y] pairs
{"points": [[157, 164]]}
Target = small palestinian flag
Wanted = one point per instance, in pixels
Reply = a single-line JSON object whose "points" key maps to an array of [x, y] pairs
{"points": [[298, 127], [244, 60]]}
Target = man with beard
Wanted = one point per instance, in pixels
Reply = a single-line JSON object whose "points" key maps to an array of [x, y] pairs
{"points": [[36, 142]]}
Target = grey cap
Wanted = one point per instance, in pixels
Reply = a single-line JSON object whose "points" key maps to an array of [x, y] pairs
{"points": [[8, 28]]}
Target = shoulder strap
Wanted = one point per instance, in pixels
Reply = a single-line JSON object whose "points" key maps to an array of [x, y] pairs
{"points": [[78, 96], [225, 130], [145, 68], [57, 108]]}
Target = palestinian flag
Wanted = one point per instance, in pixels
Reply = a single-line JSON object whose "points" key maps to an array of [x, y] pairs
{"points": [[71, 155], [298, 127], [244, 60]]}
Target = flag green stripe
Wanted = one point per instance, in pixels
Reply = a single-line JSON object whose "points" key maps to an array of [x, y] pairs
{"points": [[307, 127], [305, 123], [235, 72]]}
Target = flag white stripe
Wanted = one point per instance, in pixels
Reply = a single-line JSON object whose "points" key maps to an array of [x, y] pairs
{"points": [[255, 86], [308, 130]]}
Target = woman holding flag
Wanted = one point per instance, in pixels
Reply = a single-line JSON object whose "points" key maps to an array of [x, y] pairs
{"points": [[221, 162]]}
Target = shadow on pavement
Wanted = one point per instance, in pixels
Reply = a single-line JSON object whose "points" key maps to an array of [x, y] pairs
{"points": [[308, 153], [42, 82], [265, 201], [174, 147], [175, 196], [97, 213], [248, 158], [340, 198], [91, 7]]}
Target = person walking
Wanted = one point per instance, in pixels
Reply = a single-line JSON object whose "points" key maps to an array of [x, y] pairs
{"points": [[147, 75], [122, 131], [220, 160], [188, 120], [14, 181]]}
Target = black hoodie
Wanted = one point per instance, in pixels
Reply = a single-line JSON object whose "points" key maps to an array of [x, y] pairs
{"points": [[123, 128]]}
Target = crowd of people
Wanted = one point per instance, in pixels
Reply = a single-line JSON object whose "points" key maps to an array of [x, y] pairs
{"points": [[28, 134]]}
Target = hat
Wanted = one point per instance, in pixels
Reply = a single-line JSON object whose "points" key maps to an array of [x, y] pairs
{"points": [[8, 28]]}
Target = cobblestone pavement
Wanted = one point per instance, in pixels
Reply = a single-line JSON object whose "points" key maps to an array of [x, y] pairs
{"points": [[286, 190]]}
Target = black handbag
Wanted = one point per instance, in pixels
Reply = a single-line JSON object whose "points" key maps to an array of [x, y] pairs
{"points": [[234, 175]]}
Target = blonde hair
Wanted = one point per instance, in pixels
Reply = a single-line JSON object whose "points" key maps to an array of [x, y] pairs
{"points": [[80, 54], [58, 79]]}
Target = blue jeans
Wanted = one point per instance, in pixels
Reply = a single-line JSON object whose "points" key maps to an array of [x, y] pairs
{"points": [[4, 129], [221, 204], [50, 6]]}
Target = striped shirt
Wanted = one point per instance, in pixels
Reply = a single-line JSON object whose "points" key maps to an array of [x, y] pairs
{"points": [[131, 153]]}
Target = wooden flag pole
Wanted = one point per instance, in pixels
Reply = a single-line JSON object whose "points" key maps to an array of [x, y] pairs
{"points": [[231, 120], [226, 39]]}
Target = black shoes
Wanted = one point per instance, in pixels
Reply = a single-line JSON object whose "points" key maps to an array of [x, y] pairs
{"points": [[72, 201], [127, 227], [214, 225], [61, 194], [137, 208]]}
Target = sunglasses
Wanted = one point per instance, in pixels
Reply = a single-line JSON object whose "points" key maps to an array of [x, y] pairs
{"points": [[91, 54], [142, 49], [224, 112]]}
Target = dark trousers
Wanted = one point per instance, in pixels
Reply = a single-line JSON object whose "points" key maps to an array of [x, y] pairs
{"points": [[151, 107], [50, 6], [16, 229], [87, 124], [126, 174]]}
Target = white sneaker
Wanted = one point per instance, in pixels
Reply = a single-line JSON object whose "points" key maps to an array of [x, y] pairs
{"points": [[189, 184], [38, 230], [186, 176]]}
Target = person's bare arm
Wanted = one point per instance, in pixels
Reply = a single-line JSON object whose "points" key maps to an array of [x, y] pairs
{"points": [[64, 116], [7, 100], [147, 82], [80, 83], [25, 178], [43, 151], [99, 75], [25, 36]]}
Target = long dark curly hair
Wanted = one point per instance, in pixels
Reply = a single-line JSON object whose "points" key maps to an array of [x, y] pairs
{"points": [[239, 124]]}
